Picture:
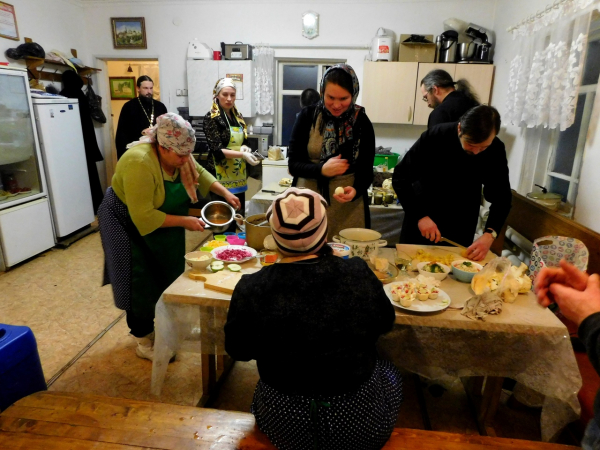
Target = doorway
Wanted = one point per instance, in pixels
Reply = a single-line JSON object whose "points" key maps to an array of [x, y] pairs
{"points": [[131, 68]]}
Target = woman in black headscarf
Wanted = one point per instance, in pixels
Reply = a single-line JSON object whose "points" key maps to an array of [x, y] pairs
{"points": [[72, 84], [332, 146]]}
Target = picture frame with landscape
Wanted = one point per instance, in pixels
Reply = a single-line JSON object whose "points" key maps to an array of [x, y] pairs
{"points": [[122, 88], [128, 32]]}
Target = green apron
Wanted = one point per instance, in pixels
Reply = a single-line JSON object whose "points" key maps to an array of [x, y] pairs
{"points": [[231, 173], [157, 258]]}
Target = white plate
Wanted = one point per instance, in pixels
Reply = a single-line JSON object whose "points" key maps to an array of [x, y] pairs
{"points": [[426, 306], [250, 250]]}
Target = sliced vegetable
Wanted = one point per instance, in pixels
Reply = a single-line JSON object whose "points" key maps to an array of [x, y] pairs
{"points": [[234, 267]]}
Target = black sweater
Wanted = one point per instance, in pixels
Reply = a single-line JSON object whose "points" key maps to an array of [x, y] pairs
{"points": [[437, 178], [300, 164], [132, 121], [454, 105], [311, 326], [589, 332]]}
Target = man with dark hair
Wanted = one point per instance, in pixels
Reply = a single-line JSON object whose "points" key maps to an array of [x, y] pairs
{"points": [[440, 179], [138, 114], [309, 97], [449, 103]]}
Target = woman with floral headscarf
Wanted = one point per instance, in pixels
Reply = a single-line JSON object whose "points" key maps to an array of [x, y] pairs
{"points": [[227, 139], [333, 145], [143, 219]]}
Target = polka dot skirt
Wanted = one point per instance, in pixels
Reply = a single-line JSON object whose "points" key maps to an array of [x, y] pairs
{"points": [[361, 420], [113, 218]]}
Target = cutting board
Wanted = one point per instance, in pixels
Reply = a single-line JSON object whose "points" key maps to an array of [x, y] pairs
{"points": [[439, 251], [223, 281]]}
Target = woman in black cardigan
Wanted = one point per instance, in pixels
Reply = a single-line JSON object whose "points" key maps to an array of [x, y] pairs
{"points": [[311, 326], [227, 139], [333, 145]]}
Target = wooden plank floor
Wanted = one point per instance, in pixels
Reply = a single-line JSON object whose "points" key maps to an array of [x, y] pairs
{"points": [[63, 421]]}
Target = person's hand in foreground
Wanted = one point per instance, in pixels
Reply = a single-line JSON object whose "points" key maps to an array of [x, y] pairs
{"points": [[347, 196], [334, 167], [567, 275]]}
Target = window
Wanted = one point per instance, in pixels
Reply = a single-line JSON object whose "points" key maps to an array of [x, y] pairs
{"points": [[293, 78], [556, 164]]}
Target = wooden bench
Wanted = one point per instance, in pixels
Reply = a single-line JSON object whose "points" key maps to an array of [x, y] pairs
{"points": [[534, 221], [64, 421]]}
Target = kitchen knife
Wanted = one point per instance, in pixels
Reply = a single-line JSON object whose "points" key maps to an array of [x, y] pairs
{"points": [[453, 243]]}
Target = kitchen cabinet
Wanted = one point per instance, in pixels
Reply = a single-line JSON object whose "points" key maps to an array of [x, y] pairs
{"points": [[385, 98], [392, 90], [202, 76]]}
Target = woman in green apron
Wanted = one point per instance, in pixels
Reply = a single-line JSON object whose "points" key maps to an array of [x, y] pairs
{"points": [[227, 139], [144, 217]]}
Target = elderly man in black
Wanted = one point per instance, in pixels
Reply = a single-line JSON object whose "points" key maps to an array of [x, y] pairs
{"points": [[440, 179]]}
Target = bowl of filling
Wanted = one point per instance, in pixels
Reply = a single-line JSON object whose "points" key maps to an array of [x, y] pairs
{"points": [[198, 260], [433, 269], [234, 253], [465, 270]]}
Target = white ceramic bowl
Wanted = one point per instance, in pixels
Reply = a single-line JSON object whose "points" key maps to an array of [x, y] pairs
{"points": [[437, 276], [191, 260], [463, 275]]}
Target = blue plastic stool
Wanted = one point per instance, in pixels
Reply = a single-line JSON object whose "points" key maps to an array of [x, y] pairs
{"points": [[20, 367]]}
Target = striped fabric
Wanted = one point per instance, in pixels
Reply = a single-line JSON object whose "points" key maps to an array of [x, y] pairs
{"points": [[298, 218]]}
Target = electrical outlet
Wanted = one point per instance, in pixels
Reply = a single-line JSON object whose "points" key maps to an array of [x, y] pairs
{"points": [[178, 92], [184, 92]]}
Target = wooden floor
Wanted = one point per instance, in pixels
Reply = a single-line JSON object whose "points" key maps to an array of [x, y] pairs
{"points": [[64, 421]]}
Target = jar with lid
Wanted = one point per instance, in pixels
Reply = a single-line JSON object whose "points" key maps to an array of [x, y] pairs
{"points": [[10, 183]]}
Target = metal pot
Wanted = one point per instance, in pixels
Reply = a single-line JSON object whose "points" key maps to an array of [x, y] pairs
{"points": [[466, 51], [362, 241], [218, 216], [255, 234]]}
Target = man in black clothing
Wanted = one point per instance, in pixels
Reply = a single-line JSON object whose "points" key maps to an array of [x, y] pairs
{"points": [[448, 103], [578, 296], [439, 182], [138, 114]]}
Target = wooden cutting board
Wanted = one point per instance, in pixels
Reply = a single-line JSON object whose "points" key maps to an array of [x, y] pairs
{"points": [[223, 281]]}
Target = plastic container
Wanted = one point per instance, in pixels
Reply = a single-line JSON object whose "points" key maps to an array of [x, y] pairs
{"points": [[20, 367], [391, 160], [220, 237], [341, 250]]}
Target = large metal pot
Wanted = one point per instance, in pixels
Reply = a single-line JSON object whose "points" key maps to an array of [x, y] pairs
{"points": [[218, 216], [257, 231]]}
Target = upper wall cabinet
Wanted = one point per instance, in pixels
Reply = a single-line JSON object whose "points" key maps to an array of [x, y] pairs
{"points": [[386, 99], [202, 76], [387, 86]]}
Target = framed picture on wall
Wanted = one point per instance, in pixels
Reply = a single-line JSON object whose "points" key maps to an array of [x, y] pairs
{"points": [[122, 88], [128, 32], [8, 22]]}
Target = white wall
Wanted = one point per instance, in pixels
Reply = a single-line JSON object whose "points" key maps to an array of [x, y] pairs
{"points": [[170, 26], [586, 211]]}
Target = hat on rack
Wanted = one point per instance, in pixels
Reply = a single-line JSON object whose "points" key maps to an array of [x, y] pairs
{"points": [[26, 49], [298, 219]]}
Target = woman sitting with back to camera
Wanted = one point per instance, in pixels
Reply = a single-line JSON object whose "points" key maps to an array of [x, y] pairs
{"points": [[333, 146], [311, 325]]}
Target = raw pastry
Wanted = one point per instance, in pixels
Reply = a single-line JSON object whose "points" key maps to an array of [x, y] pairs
{"points": [[339, 190]]}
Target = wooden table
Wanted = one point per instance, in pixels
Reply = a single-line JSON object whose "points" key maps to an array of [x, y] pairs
{"points": [[64, 421], [525, 342]]}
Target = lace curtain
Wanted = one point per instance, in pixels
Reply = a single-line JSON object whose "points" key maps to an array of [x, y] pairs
{"points": [[263, 79], [544, 77]]}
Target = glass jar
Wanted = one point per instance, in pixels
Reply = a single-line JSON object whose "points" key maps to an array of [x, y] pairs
{"points": [[267, 257]]}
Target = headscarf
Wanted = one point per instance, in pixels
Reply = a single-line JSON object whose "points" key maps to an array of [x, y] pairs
{"points": [[298, 219], [215, 109], [337, 130], [175, 134]]}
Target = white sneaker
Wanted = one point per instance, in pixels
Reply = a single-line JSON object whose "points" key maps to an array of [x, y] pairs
{"points": [[145, 347]]}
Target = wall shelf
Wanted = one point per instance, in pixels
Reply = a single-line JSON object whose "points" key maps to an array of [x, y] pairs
{"points": [[35, 66]]}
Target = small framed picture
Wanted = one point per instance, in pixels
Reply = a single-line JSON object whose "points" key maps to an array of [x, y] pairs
{"points": [[128, 32], [122, 88], [8, 22]]}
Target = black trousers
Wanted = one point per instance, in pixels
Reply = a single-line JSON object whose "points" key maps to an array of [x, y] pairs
{"points": [[139, 326]]}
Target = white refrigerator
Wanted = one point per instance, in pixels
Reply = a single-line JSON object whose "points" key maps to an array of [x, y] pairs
{"points": [[63, 153], [25, 220]]}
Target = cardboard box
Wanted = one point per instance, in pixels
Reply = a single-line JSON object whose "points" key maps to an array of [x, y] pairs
{"points": [[416, 52]]}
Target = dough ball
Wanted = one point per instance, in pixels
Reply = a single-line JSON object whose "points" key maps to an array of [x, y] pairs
{"points": [[339, 190]]}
